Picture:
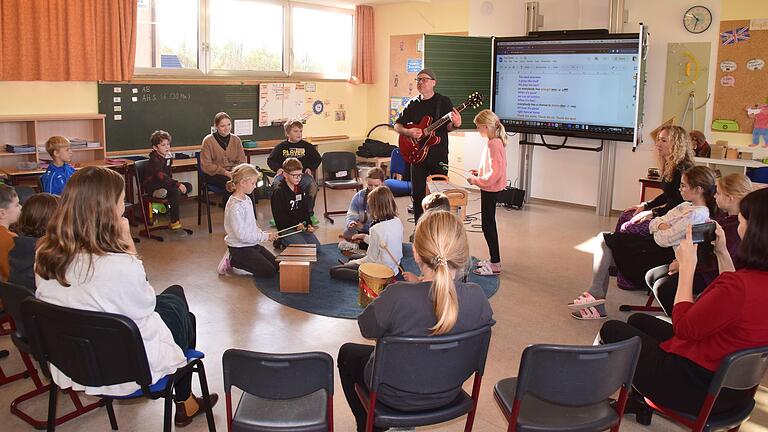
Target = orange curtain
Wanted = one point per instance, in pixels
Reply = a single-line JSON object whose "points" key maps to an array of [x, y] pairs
{"points": [[67, 40], [362, 64]]}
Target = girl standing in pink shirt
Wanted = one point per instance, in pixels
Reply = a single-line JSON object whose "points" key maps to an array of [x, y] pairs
{"points": [[491, 178]]}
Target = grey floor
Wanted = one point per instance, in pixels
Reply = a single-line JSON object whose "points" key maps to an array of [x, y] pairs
{"points": [[546, 258]]}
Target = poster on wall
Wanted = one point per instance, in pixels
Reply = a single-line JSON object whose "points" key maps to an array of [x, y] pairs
{"points": [[405, 62], [741, 83]]}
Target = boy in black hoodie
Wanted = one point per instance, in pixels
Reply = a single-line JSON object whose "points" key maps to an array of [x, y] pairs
{"points": [[295, 147], [289, 206], [158, 180]]}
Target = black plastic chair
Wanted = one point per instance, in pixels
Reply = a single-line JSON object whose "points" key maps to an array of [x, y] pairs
{"points": [[339, 173], [98, 349], [566, 388], [742, 370], [145, 199], [653, 278], [203, 194], [13, 295], [281, 392], [426, 365]]}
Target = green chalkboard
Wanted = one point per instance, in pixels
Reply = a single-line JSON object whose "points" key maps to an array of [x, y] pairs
{"points": [[186, 111], [462, 65]]}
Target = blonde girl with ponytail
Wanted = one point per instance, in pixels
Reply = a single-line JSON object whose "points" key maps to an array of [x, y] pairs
{"points": [[244, 254], [436, 305], [490, 177]]}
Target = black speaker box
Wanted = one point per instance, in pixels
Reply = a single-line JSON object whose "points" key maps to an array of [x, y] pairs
{"points": [[511, 197]]}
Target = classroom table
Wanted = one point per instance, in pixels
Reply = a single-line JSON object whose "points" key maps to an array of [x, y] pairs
{"points": [[648, 183], [262, 148], [31, 177]]}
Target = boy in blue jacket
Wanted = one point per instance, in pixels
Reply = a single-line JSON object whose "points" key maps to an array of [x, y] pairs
{"points": [[59, 170]]}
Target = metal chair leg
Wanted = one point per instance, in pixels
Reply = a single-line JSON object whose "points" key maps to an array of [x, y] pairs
{"points": [[206, 397], [111, 414], [208, 210], [54, 389]]}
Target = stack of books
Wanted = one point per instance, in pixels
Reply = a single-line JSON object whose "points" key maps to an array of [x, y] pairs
{"points": [[78, 143], [19, 148]]}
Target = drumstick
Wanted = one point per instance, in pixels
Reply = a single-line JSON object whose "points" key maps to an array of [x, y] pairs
{"points": [[445, 165], [383, 245], [296, 227], [289, 234]]}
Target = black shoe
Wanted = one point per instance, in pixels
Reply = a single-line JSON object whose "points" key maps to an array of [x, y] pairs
{"points": [[636, 405], [182, 418], [4, 353]]}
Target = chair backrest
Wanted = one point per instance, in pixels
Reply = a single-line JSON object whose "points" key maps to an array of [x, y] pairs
{"points": [[577, 375], [278, 376], [337, 162], [656, 274], [140, 167], [396, 163], [430, 364], [12, 296], [741, 370], [92, 348]]}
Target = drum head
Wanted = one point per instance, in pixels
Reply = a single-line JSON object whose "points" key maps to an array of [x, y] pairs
{"points": [[376, 270]]}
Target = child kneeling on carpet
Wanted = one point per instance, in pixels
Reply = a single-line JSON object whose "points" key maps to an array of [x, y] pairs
{"points": [[386, 233], [244, 253], [437, 306], [358, 219], [290, 207]]}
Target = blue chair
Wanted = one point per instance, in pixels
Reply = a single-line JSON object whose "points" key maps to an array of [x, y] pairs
{"points": [[205, 190], [398, 170], [98, 349]]}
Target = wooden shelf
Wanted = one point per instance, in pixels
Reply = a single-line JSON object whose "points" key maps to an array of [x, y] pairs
{"points": [[36, 129]]}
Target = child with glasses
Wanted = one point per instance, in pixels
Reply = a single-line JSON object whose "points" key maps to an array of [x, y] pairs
{"points": [[290, 206]]}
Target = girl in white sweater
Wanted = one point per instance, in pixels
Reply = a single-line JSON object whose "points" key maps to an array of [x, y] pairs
{"points": [[244, 253], [87, 261], [386, 229]]}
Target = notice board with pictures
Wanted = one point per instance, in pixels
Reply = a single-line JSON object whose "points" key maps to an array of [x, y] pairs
{"points": [[741, 86]]}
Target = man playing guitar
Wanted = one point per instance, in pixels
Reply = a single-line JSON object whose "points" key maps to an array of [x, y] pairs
{"points": [[433, 104]]}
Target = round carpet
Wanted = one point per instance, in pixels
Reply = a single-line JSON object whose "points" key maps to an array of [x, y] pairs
{"points": [[337, 298]]}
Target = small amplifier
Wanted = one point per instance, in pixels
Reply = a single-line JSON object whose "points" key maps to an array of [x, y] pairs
{"points": [[511, 197]]}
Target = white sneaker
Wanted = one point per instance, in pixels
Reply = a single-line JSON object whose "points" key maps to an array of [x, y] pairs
{"points": [[240, 272], [224, 264]]}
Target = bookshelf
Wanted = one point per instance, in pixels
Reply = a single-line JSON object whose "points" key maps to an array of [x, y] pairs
{"points": [[34, 130]]}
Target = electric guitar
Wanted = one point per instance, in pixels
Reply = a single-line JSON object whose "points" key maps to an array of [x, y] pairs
{"points": [[415, 150]]}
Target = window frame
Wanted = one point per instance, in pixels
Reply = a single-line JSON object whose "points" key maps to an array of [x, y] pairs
{"points": [[203, 70]]}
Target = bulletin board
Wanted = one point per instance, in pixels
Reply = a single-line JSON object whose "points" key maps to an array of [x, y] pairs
{"points": [[280, 102], [741, 75], [406, 59]]}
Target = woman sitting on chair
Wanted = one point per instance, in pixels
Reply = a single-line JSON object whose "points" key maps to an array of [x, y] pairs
{"points": [[434, 306], [678, 361], [87, 260]]}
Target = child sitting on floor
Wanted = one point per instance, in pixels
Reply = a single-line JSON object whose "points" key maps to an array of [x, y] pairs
{"points": [[159, 182], [59, 170], [358, 219], [290, 207], [386, 229], [244, 253]]}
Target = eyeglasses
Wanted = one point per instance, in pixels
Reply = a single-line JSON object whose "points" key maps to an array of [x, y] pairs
{"points": [[296, 176], [423, 79]]}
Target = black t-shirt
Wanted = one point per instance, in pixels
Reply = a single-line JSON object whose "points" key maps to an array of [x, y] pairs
{"points": [[305, 152], [435, 107]]}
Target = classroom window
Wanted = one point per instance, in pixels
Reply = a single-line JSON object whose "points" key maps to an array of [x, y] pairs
{"points": [[276, 38], [246, 35], [167, 34], [322, 41]]}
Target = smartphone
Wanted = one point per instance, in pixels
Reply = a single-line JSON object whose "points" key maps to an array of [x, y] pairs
{"points": [[703, 232]]}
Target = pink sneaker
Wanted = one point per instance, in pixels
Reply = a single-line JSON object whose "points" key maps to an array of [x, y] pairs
{"points": [[224, 265]]}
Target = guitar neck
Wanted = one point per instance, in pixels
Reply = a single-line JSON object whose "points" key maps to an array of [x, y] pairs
{"points": [[444, 119]]}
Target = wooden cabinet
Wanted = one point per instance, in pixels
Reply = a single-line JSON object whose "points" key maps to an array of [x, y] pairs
{"points": [[35, 130]]}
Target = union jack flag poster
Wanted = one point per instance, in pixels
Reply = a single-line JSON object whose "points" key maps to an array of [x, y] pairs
{"points": [[734, 36]]}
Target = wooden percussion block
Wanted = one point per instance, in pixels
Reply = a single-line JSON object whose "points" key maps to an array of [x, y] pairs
{"points": [[294, 276]]}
